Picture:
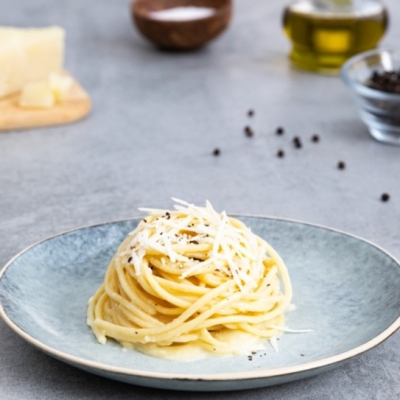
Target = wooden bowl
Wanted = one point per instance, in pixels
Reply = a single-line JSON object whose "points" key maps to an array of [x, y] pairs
{"points": [[184, 34]]}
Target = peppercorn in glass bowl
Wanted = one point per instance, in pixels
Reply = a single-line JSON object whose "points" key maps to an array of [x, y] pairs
{"points": [[374, 80]]}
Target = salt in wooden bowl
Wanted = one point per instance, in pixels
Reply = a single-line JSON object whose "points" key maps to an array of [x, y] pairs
{"points": [[181, 24]]}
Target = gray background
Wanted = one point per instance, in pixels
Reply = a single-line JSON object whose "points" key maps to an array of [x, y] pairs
{"points": [[156, 119]]}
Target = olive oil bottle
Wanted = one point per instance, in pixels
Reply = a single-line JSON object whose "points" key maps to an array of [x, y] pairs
{"points": [[325, 33]]}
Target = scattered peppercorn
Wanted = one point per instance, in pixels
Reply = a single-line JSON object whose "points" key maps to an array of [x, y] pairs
{"points": [[129, 259], [216, 152], [280, 154], [385, 197], [250, 358], [341, 165], [248, 131], [297, 142], [315, 138], [250, 113], [280, 131]]}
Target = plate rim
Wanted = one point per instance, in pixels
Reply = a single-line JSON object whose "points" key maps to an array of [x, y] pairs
{"points": [[244, 375]]}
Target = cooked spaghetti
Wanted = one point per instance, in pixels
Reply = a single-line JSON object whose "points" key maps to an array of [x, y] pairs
{"points": [[191, 278]]}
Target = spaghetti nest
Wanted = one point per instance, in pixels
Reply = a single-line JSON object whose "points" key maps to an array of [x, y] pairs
{"points": [[191, 276]]}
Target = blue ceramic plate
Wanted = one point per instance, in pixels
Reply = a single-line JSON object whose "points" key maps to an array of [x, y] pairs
{"points": [[345, 289]]}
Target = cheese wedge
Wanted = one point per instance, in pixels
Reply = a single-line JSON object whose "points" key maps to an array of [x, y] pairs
{"points": [[29, 55]]}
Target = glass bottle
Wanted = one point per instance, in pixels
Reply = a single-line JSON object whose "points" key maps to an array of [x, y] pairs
{"points": [[325, 33]]}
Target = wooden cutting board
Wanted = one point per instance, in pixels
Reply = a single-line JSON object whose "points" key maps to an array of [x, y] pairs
{"points": [[76, 106]]}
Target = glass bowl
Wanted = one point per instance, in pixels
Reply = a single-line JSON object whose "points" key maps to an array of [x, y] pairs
{"points": [[379, 110]]}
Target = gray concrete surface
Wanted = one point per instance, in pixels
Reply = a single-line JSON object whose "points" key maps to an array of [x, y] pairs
{"points": [[156, 119]]}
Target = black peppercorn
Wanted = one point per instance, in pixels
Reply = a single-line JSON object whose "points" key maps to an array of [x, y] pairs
{"points": [[216, 152], [386, 81], [385, 197], [297, 142], [315, 138], [248, 131]]}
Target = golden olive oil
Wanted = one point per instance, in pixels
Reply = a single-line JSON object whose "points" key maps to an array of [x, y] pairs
{"points": [[324, 34]]}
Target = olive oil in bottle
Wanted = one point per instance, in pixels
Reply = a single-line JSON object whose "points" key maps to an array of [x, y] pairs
{"points": [[325, 33]]}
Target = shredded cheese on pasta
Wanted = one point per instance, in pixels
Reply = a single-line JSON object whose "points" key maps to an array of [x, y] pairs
{"points": [[191, 277]]}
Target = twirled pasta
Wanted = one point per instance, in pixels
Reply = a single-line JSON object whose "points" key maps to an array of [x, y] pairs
{"points": [[191, 278]]}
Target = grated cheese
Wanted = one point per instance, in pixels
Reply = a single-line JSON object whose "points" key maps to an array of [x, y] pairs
{"points": [[234, 251]]}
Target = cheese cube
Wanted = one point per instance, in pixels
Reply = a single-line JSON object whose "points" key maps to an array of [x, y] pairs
{"points": [[37, 95], [29, 55], [60, 85]]}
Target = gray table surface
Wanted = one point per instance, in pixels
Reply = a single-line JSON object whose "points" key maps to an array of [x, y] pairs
{"points": [[156, 119]]}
